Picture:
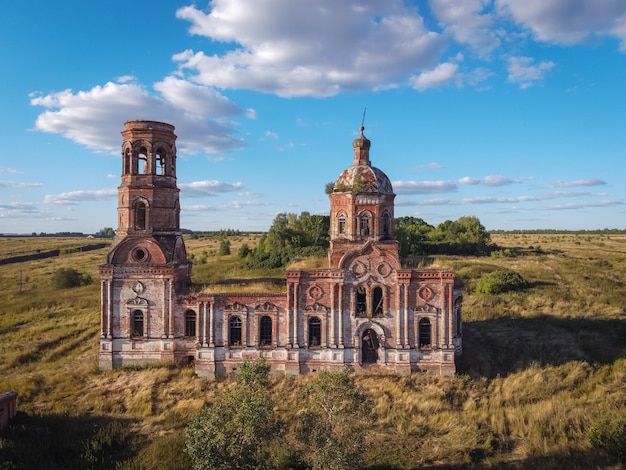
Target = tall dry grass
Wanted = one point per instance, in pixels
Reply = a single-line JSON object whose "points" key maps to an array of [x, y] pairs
{"points": [[541, 368]]}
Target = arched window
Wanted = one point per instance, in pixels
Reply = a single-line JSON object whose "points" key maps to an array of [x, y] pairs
{"points": [[161, 162], [265, 331], [386, 225], [364, 221], [127, 159], [190, 323], [341, 224], [315, 331], [377, 302], [361, 301], [140, 215], [425, 339], [142, 161], [234, 336], [137, 329]]}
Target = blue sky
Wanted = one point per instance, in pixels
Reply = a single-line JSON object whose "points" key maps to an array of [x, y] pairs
{"points": [[513, 111]]}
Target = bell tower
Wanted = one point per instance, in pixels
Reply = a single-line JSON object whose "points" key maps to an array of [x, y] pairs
{"points": [[147, 264], [361, 206]]}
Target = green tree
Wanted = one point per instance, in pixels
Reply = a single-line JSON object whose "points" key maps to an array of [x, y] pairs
{"points": [[224, 247], [235, 431], [64, 278], [333, 425]]}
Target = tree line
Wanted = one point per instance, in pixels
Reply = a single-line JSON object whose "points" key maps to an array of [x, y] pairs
{"points": [[293, 236]]}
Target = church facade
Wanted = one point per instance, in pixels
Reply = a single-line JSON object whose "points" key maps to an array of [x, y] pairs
{"points": [[364, 311]]}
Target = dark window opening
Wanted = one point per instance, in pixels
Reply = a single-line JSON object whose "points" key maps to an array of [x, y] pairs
{"points": [[137, 330], [140, 216], [424, 333], [361, 300], [386, 225], [127, 159], [265, 331], [342, 224], [377, 302], [369, 347], [365, 225], [315, 331], [234, 331], [190, 323]]}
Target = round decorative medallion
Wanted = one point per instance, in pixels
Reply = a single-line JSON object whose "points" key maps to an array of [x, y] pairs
{"points": [[425, 293], [359, 268], [316, 292], [137, 287], [384, 269]]}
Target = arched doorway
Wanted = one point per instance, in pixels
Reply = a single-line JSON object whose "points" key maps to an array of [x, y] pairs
{"points": [[369, 347]]}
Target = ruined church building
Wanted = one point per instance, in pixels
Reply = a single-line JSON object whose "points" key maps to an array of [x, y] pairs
{"points": [[364, 311]]}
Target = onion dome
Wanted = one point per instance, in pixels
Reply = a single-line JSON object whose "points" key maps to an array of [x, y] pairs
{"points": [[361, 177]]}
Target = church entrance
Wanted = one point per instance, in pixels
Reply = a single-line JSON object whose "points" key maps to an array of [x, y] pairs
{"points": [[369, 347]]}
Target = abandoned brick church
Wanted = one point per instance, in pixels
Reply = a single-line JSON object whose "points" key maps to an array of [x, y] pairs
{"points": [[364, 311]]}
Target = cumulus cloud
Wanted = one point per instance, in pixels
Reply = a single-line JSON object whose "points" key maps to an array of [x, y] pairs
{"points": [[92, 118], [468, 23], [74, 198], [439, 76], [211, 188], [525, 73], [310, 48], [568, 21]]}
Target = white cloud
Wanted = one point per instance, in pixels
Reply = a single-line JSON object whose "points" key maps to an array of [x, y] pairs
{"points": [[466, 22], [582, 182], [310, 48], [74, 198], [210, 188], [439, 76], [521, 70], [10, 170], [93, 118], [424, 187], [15, 184], [568, 21]]}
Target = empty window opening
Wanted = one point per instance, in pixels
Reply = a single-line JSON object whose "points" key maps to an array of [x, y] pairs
{"points": [[361, 300], [140, 215], [365, 225], [265, 331], [137, 329], [190, 323], [235, 331], [142, 161], [377, 302], [127, 160], [342, 224], [425, 339], [160, 161], [315, 331], [386, 225]]}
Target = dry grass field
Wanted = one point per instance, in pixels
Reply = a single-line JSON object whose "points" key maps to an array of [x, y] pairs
{"points": [[541, 383]]}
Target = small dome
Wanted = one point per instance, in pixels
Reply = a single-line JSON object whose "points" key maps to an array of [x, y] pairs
{"points": [[362, 177]]}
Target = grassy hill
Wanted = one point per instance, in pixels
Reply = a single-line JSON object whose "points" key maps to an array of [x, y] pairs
{"points": [[541, 383]]}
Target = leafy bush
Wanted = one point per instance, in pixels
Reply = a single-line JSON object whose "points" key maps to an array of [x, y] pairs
{"points": [[609, 435], [498, 282], [64, 278], [224, 248]]}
